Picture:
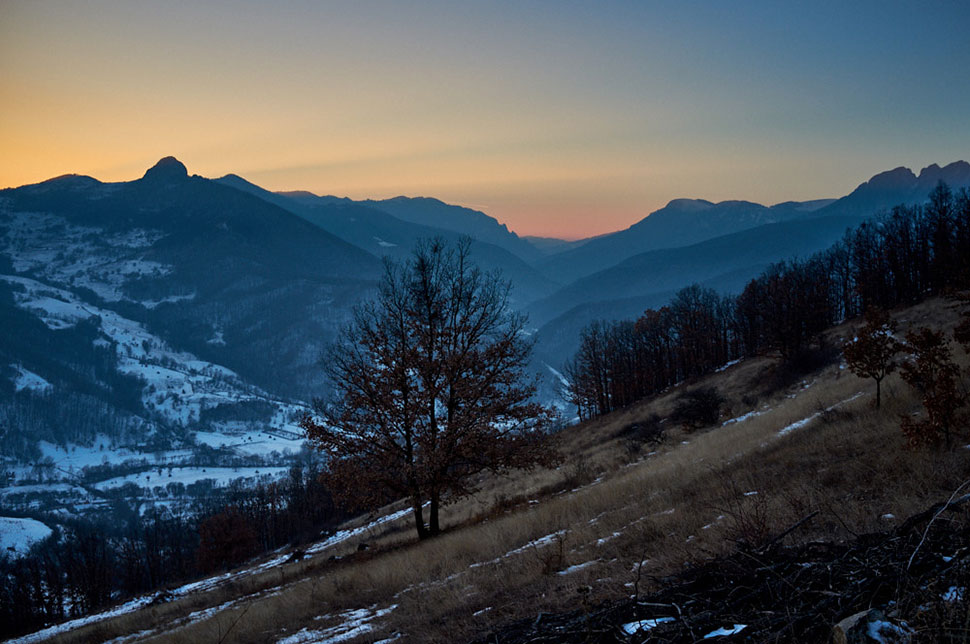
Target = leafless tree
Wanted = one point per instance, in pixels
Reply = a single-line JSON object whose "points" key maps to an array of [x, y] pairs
{"points": [[429, 386]]}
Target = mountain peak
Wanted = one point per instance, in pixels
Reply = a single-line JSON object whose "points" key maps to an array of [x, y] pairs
{"points": [[167, 169], [956, 174], [689, 205], [897, 178]]}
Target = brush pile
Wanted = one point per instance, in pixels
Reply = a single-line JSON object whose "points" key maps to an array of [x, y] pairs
{"points": [[908, 584]]}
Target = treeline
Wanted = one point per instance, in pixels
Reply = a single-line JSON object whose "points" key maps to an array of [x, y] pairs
{"points": [[894, 259], [85, 565]]}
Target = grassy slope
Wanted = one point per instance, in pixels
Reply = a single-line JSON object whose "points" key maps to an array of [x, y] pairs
{"points": [[610, 504]]}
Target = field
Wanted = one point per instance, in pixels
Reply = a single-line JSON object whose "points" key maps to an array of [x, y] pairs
{"points": [[612, 518]]}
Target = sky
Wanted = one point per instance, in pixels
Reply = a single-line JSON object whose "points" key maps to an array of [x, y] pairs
{"points": [[564, 119]]}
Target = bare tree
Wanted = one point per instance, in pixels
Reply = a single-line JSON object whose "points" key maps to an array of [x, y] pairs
{"points": [[430, 388]]}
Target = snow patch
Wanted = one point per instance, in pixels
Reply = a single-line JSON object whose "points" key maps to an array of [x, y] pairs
{"points": [[57, 629], [722, 632], [954, 594], [558, 375], [886, 632], [220, 476], [645, 624], [727, 365], [804, 421], [742, 418], [17, 535], [576, 568], [354, 624], [29, 380], [343, 535], [601, 541], [171, 299]]}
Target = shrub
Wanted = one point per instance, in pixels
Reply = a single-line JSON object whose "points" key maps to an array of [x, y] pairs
{"points": [[225, 539], [698, 408], [650, 431]]}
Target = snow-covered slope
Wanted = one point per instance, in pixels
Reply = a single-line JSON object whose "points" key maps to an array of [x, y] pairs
{"points": [[168, 321], [18, 534], [177, 384]]}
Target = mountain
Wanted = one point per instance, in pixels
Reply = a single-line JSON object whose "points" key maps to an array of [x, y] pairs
{"points": [[650, 279], [174, 305], [552, 245], [367, 226], [686, 221], [680, 223], [672, 268], [151, 308], [426, 212], [898, 186], [474, 223]]}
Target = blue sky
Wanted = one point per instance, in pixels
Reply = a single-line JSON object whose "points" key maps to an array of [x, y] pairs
{"points": [[558, 118]]}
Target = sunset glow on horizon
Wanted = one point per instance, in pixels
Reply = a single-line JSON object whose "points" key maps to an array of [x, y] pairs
{"points": [[559, 119]]}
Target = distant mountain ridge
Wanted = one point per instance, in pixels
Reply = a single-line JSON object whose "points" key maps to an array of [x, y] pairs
{"points": [[225, 277], [427, 212], [687, 221], [899, 186], [650, 279], [369, 226], [433, 212]]}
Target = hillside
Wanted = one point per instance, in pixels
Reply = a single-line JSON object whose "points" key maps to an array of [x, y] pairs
{"points": [[791, 448], [466, 221], [741, 255], [370, 226], [167, 321]]}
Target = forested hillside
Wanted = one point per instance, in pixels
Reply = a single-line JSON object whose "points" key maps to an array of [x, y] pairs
{"points": [[888, 261]]}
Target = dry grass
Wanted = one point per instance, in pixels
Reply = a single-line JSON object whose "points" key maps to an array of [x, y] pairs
{"points": [[606, 506]]}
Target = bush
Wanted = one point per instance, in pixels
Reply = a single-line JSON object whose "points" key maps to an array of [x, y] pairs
{"points": [[225, 539], [807, 361], [649, 430], [698, 408]]}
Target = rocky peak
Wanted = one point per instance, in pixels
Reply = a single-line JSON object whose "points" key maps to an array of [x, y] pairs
{"points": [[167, 170]]}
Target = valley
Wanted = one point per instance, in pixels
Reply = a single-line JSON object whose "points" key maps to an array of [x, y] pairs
{"points": [[165, 338], [612, 521], [484, 322]]}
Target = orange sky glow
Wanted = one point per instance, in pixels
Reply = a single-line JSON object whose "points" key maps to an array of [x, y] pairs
{"points": [[556, 118]]}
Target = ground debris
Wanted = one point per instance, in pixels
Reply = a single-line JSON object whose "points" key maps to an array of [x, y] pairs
{"points": [[789, 593]]}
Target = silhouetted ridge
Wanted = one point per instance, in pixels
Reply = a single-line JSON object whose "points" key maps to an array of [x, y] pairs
{"points": [[689, 205], [953, 174], [896, 179], [167, 170]]}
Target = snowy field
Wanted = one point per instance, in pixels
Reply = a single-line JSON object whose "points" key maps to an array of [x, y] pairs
{"points": [[253, 443], [17, 535], [60, 489], [61, 251], [221, 476], [29, 380]]}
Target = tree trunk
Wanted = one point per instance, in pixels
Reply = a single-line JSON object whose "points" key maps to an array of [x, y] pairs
{"points": [[878, 391], [434, 528], [419, 517]]}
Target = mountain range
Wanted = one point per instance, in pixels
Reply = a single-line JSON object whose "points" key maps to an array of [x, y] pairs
{"points": [[172, 305]]}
